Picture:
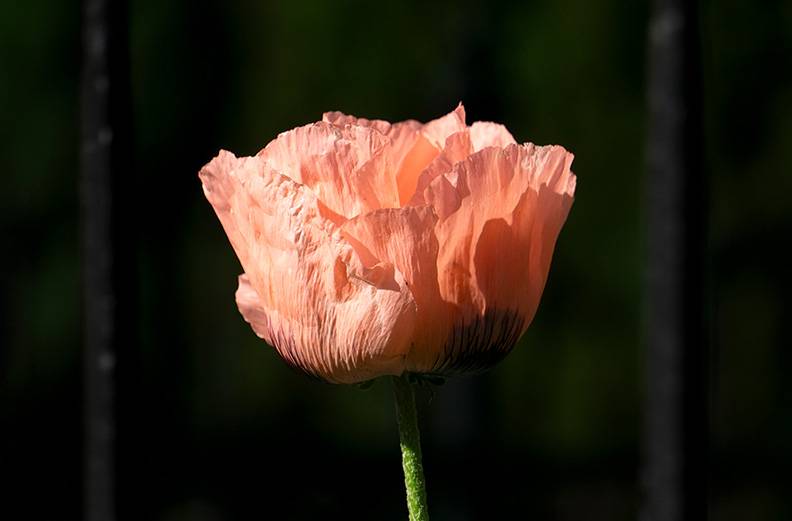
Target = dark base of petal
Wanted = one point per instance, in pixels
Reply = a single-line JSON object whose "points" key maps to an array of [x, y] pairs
{"points": [[480, 342]]}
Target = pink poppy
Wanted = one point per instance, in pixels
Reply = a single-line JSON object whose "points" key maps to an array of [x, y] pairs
{"points": [[372, 248]]}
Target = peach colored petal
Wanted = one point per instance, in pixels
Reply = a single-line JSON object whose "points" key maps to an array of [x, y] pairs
{"points": [[252, 309], [347, 167], [498, 222], [486, 134], [402, 135], [419, 156], [457, 148], [409, 151], [305, 289], [340, 119], [438, 130], [406, 237], [434, 138]]}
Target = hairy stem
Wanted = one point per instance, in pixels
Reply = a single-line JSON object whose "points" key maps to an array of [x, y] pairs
{"points": [[410, 441]]}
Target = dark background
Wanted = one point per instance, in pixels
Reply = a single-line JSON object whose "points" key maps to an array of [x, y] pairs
{"points": [[213, 426]]}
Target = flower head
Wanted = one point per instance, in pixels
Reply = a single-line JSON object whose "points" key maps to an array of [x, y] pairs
{"points": [[372, 248]]}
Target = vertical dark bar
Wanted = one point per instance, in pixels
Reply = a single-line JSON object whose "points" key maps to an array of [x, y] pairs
{"points": [[676, 411], [99, 264]]}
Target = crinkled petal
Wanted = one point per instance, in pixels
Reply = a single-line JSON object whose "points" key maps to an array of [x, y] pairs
{"points": [[346, 166], [305, 289], [340, 119], [457, 148], [415, 160], [438, 130], [485, 134], [252, 309], [409, 151], [433, 139], [406, 237], [498, 222]]}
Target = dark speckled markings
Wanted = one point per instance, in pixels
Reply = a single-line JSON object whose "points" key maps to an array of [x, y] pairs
{"points": [[480, 342], [287, 349], [474, 345]]}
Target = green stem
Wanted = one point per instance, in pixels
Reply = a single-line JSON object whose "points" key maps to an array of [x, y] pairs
{"points": [[410, 441]]}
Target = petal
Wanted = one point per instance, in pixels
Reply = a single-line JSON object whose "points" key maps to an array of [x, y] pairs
{"points": [[252, 309], [457, 148], [498, 222], [432, 140], [409, 151], [420, 155], [220, 189], [414, 148], [340, 119], [305, 290], [438, 130], [406, 238], [485, 134], [347, 167]]}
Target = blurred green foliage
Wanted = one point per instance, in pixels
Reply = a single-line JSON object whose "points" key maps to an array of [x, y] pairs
{"points": [[209, 414]]}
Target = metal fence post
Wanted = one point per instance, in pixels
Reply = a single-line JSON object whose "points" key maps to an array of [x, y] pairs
{"points": [[99, 156], [676, 412]]}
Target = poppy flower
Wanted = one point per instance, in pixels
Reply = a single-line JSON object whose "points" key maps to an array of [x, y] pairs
{"points": [[370, 248]]}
